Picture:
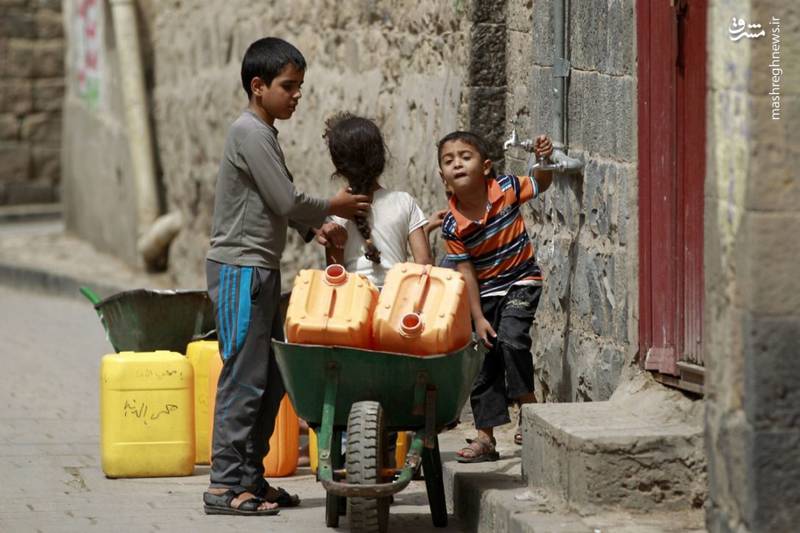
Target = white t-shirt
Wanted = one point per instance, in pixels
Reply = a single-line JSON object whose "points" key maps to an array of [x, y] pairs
{"points": [[394, 215]]}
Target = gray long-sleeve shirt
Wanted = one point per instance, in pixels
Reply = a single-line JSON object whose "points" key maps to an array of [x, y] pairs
{"points": [[256, 199]]}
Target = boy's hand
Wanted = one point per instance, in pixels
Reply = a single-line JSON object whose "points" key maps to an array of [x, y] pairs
{"points": [[435, 220], [332, 235], [543, 147], [485, 331], [345, 204]]}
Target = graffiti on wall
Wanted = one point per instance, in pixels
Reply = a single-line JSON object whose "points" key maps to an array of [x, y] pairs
{"points": [[86, 31]]}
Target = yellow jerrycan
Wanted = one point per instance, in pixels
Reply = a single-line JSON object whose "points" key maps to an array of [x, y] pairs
{"points": [[203, 355], [146, 414], [423, 310], [284, 444], [331, 307]]}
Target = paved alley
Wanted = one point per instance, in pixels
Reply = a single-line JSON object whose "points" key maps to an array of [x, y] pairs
{"points": [[49, 442]]}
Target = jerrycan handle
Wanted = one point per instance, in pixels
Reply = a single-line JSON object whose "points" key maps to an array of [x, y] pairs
{"points": [[422, 288], [411, 325]]}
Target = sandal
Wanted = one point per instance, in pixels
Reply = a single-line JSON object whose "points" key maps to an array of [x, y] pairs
{"points": [[518, 434], [280, 496], [478, 451], [223, 504]]}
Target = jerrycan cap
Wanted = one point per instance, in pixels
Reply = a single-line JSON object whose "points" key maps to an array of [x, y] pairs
{"points": [[335, 275], [411, 325]]}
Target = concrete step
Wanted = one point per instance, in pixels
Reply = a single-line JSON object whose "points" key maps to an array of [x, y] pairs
{"points": [[621, 455], [494, 498]]}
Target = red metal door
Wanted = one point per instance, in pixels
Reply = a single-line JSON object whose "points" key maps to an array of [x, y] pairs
{"points": [[672, 91]]}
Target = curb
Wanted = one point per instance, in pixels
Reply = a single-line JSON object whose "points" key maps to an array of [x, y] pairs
{"points": [[17, 276], [30, 213]]}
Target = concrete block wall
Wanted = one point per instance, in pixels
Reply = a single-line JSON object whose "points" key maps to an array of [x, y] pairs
{"points": [[752, 311], [31, 94], [404, 64], [584, 227]]}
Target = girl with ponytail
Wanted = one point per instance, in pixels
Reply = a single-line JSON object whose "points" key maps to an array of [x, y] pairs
{"points": [[395, 223]]}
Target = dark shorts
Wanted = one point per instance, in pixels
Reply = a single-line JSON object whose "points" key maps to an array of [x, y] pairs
{"points": [[507, 371]]}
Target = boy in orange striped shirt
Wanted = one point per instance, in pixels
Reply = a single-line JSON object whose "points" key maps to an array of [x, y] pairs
{"points": [[485, 236]]}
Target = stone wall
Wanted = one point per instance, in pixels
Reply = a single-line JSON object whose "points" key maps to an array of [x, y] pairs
{"points": [[99, 195], [584, 227], [752, 311], [31, 91], [402, 63]]}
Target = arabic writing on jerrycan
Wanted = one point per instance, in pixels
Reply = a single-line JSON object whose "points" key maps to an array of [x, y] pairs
{"points": [[146, 414]]}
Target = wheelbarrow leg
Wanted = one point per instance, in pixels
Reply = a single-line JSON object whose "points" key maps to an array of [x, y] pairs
{"points": [[335, 506], [330, 447], [434, 483]]}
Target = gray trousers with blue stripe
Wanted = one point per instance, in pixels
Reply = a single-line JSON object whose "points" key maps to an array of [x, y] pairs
{"points": [[246, 301]]}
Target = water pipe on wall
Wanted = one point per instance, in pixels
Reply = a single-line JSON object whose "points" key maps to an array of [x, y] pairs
{"points": [[153, 238], [560, 161]]}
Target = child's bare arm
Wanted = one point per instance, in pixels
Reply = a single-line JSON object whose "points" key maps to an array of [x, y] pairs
{"points": [[483, 328], [435, 221], [420, 248], [543, 148]]}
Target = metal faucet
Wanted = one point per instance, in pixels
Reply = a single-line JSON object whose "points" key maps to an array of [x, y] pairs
{"points": [[513, 140], [545, 163], [559, 161]]}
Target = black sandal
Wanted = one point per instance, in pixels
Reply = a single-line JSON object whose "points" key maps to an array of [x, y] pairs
{"points": [[283, 499], [221, 504]]}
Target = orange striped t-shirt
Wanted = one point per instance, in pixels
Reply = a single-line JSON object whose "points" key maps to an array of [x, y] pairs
{"points": [[498, 245]]}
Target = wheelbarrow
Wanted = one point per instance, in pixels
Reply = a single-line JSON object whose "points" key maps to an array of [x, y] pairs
{"points": [[144, 320], [369, 394]]}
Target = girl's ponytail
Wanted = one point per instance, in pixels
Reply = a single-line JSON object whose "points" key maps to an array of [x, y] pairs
{"points": [[359, 155]]}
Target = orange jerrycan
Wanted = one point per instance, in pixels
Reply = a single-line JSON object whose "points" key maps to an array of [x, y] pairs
{"points": [[146, 414], [284, 445], [203, 355], [285, 441], [423, 310], [331, 307]]}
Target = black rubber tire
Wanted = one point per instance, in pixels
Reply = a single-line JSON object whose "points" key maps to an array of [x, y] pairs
{"points": [[366, 438]]}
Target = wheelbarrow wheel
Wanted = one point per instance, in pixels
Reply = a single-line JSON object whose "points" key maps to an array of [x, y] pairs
{"points": [[366, 437]]}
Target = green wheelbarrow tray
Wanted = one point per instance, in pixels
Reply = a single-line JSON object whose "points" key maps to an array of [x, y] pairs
{"points": [[145, 320], [418, 393]]}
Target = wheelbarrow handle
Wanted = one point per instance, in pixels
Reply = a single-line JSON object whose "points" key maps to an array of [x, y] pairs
{"points": [[90, 295], [381, 490]]}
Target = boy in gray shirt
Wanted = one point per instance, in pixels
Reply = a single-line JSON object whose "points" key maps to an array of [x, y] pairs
{"points": [[255, 203]]}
